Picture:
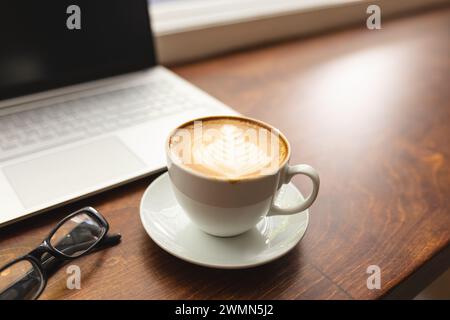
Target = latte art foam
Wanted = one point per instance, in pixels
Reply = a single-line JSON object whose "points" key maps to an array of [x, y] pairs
{"points": [[230, 155], [230, 148]]}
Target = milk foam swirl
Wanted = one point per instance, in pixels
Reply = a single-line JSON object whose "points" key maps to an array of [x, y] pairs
{"points": [[230, 155], [228, 148]]}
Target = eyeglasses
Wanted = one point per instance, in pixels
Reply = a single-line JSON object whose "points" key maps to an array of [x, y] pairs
{"points": [[76, 235]]}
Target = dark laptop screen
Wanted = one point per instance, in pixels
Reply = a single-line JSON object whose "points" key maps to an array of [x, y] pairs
{"points": [[46, 44]]}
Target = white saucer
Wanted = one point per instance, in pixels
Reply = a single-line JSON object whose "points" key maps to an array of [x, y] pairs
{"points": [[168, 226]]}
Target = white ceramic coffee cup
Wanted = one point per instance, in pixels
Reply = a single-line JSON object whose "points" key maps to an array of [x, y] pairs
{"points": [[228, 208]]}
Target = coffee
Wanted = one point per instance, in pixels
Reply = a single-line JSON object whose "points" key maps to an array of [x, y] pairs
{"points": [[225, 173], [228, 147]]}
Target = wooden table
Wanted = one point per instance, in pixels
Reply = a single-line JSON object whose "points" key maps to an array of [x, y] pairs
{"points": [[370, 110]]}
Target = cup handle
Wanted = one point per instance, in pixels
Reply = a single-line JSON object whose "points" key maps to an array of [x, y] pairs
{"points": [[286, 178]]}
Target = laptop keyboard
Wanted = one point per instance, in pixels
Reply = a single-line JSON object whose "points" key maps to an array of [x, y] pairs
{"points": [[56, 124]]}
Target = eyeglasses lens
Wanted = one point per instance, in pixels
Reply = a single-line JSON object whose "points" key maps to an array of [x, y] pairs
{"points": [[77, 235], [20, 281]]}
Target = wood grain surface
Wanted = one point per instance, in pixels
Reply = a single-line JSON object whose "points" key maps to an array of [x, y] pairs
{"points": [[370, 111]]}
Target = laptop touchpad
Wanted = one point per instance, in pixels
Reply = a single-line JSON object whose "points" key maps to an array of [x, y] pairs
{"points": [[71, 172]]}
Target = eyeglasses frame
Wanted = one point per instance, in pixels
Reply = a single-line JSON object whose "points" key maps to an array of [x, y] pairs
{"points": [[35, 255]]}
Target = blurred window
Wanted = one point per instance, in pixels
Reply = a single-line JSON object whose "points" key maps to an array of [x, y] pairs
{"points": [[193, 29]]}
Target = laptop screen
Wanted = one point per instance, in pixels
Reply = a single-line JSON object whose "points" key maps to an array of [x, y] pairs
{"points": [[48, 44]]}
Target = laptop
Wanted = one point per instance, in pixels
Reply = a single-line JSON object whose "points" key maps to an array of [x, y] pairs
{"points": [[84, 107]]}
